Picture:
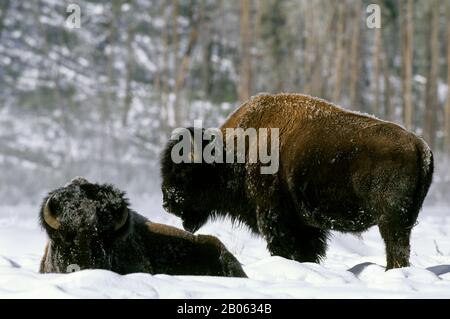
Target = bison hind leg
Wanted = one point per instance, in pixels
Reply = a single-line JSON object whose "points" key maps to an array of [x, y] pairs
{"points": [[395, 224], [396, 238]]}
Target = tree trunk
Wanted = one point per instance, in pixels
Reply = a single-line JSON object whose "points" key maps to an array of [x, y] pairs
{"points": [[109, 99], [321, 63], [4, 7], [308, 54], [128, 100], [447, 106], [206, 50], [156, 89], [389, 112], [175, 42], [431, 102], [339, 53], [175, 106], [355, 57], [376, 73], [245, 73], [407, 45], [183, 68], [165, 71]]}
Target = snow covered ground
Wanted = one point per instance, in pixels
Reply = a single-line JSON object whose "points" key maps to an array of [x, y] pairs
{"points": [[354, 267]]}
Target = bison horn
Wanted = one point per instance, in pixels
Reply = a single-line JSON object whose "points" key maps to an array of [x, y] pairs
{"points": [[123, 220], [49, 218]]}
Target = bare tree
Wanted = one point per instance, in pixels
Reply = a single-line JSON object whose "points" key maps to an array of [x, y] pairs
{"points": [[321, 62], [175, 49], [206, 48], [183, 68], [4, 7], [355, 55], [340, 36], [165, 70], [245, 72], [128, 99], [388, 109], [407, 53], [431, 101], [447, 107], [376, 73], [157, 79], [175, 40], [310, 46]]}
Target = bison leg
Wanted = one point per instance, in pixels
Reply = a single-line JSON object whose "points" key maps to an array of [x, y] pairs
{"points": [[289, 238], [396, 239]]}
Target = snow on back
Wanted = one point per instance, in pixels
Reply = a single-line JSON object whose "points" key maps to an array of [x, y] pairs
{"points": [[427, 157]]}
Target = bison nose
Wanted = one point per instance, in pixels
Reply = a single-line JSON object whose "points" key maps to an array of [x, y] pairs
{"points": [[190, 227]]}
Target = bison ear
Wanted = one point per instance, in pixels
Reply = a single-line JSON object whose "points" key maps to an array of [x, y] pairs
{"points": [[122, 219]]}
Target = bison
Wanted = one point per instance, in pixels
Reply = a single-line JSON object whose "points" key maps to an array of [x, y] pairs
{"points": [[338, 170], [91, 226]]}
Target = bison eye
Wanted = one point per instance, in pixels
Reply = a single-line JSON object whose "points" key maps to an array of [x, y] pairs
{"points": [[69, 236]]}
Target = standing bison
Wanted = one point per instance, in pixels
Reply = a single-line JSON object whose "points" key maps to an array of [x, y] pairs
{"points": [[338, 170], [91, 226]]}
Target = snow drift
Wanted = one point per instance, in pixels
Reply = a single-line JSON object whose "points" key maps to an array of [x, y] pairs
{"points": [[354, 267]]}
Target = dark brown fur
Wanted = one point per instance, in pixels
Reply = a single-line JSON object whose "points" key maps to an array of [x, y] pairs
{"points": [[339, 170], [139, 246]]}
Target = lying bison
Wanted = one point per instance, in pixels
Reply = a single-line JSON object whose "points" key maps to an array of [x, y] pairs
{"points": [[91, 226], [338, 170]]}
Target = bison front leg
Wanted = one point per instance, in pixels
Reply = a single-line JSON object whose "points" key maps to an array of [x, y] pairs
{"points": [[396, 239], [289, 238], [279, 223]]}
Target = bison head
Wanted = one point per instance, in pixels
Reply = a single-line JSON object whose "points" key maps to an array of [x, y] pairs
{"points": [[82, 221], [189, 189]]}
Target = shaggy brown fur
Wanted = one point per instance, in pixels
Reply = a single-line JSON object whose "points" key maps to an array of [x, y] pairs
{"points": [[87, 238], [339, 170]]}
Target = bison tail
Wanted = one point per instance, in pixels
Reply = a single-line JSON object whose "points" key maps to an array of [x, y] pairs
{"points": [[426, 166]]}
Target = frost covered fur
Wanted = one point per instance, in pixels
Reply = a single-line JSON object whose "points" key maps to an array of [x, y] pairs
{"points": [[91, 226], [339, 170]]}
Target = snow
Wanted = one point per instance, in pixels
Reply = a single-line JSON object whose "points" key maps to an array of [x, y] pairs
{"points": [[354, 267]]}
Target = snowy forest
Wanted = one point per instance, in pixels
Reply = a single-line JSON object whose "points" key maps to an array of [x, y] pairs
{"points": [[101, 100]]}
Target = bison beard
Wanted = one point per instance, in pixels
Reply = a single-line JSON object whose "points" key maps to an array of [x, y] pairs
{"points": [[339, 170], [91, 226]]}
